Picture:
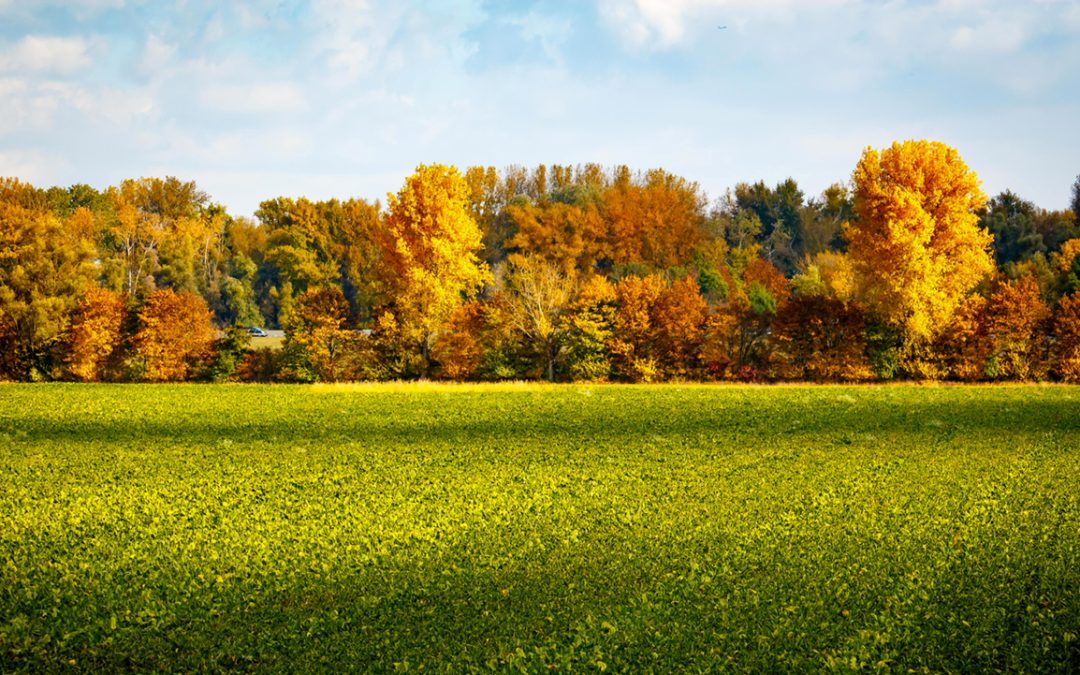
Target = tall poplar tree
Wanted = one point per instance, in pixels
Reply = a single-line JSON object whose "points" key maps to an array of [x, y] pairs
{"points": [[916, 245], [431, 248]]}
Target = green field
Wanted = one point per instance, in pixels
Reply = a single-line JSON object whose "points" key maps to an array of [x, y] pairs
{"points": [[267, 342], [424, 527]]}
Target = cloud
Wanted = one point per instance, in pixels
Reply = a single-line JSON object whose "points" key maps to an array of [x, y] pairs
{"points": [[28, 165], [157, 55], [46, 54], [361, 38], [256, 98], [661, 24], [352, 39]]}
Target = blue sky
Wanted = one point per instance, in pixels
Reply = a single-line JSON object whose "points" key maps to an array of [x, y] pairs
{"points": [[342, 98]]}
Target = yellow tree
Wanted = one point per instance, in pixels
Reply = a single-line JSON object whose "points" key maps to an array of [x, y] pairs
{"points": [[45, 264], [430, 253], [916, 246]]}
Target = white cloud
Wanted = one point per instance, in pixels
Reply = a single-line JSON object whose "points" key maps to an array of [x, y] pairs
{"points": [[359, 38], [48, 54], [349, 35], [28, 166], [157, 55], [666, 23], [963, 37], [262, 97]]}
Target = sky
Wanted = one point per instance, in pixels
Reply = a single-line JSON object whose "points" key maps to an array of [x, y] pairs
{"points": [[344, 98]]}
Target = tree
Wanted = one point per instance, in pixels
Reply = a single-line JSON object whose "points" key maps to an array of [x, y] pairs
{"points": [[1011, 220], [589, 323], [153, 239], [1055, 228], [656, 223], [317, 336], [1065, 352], [679, 315], [819, 338], [568, 236], [45, 265], [822, 222], [633, 338], [459, 350], [1066, 263], [430, 253], [356, 254], [916, 245], [175, 336], [1075, 205], [1016, 328], [737, 330], [963, 348], [827, 274], [299, 242], [539, 294], [95, 334], [778, 213]]}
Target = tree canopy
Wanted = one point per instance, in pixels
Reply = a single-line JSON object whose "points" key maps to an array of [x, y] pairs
{"points": [[562, 272]]}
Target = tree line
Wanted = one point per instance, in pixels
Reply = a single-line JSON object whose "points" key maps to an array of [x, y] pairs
{"points": [[564, 273]]}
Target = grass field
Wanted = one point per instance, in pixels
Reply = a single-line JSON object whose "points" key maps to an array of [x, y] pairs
{"points": [[268, 342], [424, 527]]}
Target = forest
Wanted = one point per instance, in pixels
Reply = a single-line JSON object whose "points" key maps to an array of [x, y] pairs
{"points": [[562, 273]]}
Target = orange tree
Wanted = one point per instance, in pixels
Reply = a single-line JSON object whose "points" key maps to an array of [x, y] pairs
{"points": [[175, 336], [95, 334], [818, 338], [1065, 352], [1016, 326]]}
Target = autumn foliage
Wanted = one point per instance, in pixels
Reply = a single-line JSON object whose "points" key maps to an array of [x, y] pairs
{"points": [[565, 273], [1065, 352], [820, 338], [916, 246], [430, 247], [175, 335], [95, 334]]}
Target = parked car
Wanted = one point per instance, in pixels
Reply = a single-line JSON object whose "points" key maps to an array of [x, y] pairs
{"points": [[255, 331]]}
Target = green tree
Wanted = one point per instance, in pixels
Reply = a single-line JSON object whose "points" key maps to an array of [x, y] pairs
{"points": [[779, 211], [1075, 204], [1011, 220]]}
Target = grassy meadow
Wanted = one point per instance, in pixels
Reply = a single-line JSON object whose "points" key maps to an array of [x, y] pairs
{"points": [[536, 528]]}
